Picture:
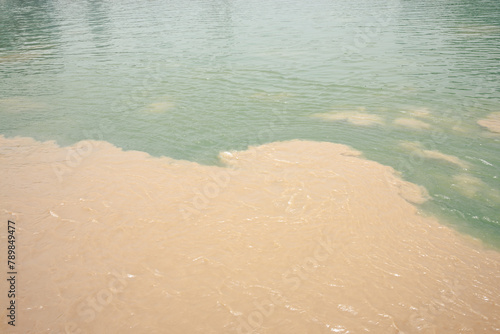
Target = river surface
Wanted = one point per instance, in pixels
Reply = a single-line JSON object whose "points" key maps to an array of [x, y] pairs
{"points": [[238, 166]]}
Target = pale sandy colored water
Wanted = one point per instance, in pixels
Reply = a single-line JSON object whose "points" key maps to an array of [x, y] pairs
{"points": [[491, 122], [411, 123], [290, 237], [353, 117]]}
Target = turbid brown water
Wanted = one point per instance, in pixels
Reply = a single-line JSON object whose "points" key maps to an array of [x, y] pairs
{"points": [[288, 237]]}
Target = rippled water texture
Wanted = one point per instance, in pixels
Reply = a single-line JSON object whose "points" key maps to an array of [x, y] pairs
{"points": [[292, 237], [193, 166], [188, 79]]}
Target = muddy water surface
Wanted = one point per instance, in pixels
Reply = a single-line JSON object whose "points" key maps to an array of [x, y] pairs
{"points": [[288, 237]]}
